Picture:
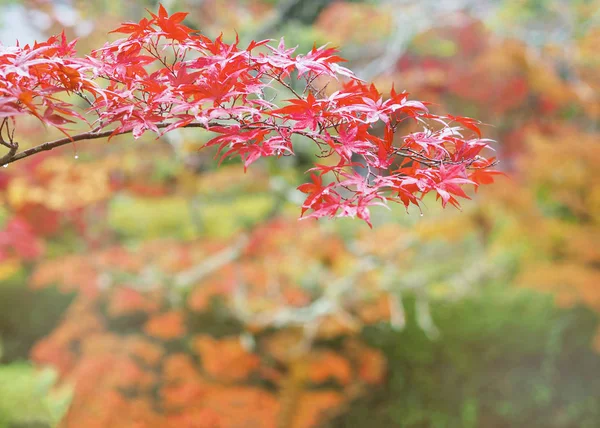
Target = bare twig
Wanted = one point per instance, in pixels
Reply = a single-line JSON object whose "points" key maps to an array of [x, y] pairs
{"points": [[89, 135], [12, 150], [190, 277]]}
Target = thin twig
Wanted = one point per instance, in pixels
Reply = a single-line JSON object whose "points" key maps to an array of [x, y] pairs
{"points": [[194, 275]]}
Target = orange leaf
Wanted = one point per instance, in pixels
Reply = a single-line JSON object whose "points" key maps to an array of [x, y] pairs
{"points": [[372, 366], [313, 406], [225, 359], [178, 368], [166, 326], [182, 395], [329, 365], [124, 301], [148, 352]]}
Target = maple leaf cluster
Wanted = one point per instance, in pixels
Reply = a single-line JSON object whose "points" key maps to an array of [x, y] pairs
{"points": [[165, 76]]}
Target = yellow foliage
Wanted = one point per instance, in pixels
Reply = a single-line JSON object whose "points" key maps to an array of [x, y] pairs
{"points": [[61, 185], [344, 23], [8, 268]]}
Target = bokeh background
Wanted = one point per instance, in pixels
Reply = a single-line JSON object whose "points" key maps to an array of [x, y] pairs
{"points": [[142, 286]]}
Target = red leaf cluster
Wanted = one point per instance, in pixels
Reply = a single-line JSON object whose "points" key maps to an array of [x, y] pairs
{"points": [[164, 76], [18, 239]]}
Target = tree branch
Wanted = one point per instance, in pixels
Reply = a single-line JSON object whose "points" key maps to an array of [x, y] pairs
{"points": [[192, 276], [12, 150], [13, 156]]}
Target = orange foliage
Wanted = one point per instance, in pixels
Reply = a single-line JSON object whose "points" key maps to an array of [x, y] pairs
{"points": [[178, 368], [48, 352], [146, 351], [344, 23], [158, 372], [225, 359], [371, 366], [182, 395], [328, 365], [313, 407], [200, 297], [169, 325], [70, 273], [378, 310], [201, 418], [337, 325], [140, 377], [125, 301], [243, 406]]}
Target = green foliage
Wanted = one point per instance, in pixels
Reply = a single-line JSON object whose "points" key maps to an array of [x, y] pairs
{"points": [[503, 359], [176, 217], [26, 399], [26, 316]]}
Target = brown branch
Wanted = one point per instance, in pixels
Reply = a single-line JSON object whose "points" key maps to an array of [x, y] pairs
{"points": [[8, 158], [12, 156], [194, 275]]}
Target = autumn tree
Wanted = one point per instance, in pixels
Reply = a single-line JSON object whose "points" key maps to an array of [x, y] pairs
{"points": [[164, 76]]}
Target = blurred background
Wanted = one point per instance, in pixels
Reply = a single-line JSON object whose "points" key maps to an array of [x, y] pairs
{"points": [[142, 286]]}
